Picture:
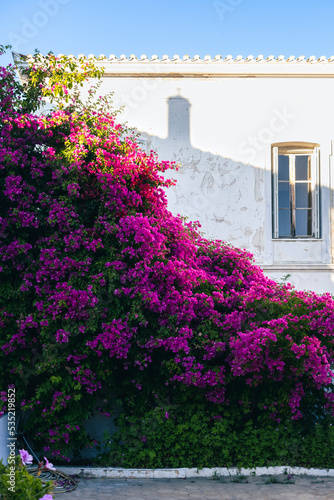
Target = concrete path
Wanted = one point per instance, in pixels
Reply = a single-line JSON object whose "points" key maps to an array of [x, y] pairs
{"points": [[232, 488]]}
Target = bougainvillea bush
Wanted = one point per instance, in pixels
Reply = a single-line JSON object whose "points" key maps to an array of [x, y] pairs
{"points": [[106, 297]]}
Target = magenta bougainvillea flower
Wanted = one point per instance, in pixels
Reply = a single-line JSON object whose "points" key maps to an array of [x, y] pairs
{"points": [[105, 294]]}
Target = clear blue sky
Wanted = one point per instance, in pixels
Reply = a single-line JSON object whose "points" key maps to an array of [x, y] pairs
{"points": [[295, 27]]}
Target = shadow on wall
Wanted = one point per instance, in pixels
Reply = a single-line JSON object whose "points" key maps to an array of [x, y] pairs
{"points": [[232, 201], [224, 195]]}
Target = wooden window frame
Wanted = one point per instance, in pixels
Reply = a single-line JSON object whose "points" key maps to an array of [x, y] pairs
{"points": [[292, 150]]}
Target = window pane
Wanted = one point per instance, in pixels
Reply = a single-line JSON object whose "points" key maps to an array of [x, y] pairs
{"points": [[304, 222], [284, 223], [303, 195], [302, 168], [283, 195], [283, 168]]}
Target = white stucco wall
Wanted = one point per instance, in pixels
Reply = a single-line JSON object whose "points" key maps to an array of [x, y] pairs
{"points": [[218, 119]]}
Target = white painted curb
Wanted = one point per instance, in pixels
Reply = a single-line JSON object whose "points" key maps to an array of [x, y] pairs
{"points": [[119, 473]]}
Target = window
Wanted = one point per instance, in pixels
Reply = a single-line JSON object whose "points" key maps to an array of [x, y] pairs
{"points": [[296, 190]]}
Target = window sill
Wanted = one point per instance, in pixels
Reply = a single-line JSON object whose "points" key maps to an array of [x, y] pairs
{"points": [[297, 239]]}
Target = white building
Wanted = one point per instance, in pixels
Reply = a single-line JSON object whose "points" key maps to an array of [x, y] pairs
{"points": [[254, 138]]}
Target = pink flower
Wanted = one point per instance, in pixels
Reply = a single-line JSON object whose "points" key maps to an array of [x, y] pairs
{"points": [[26, 459], [46, 497], [48, 465]]}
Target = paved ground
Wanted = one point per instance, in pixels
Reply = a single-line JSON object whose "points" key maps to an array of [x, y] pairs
{"points": [[233, 488]]}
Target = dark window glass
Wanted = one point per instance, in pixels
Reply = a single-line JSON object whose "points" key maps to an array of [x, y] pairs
{"points": [[304, 222], [284, 223], [283, 195], [295, 195], [302, 164], [303, 195], [283, 168]]}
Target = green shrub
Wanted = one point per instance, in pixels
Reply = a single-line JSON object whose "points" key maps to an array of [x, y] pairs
{"points": [[195, 436], [17, 484]]}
